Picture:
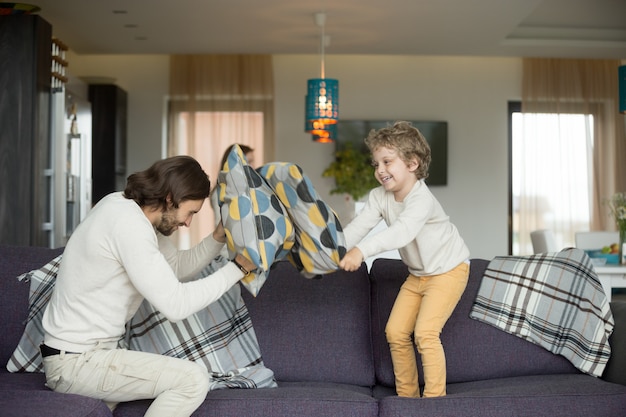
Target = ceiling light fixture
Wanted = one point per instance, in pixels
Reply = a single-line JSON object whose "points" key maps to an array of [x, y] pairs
{"points": [[322, 100]]}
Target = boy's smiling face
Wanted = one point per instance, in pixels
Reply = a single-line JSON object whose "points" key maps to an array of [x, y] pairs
{"points": [[393, 173]]}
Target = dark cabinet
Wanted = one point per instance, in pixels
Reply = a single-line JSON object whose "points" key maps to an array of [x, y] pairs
{"points": [[25, 161], [109, 125]]}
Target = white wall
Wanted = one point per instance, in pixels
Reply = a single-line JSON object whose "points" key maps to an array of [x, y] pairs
{"points": [[146, 80], [470, 93]]}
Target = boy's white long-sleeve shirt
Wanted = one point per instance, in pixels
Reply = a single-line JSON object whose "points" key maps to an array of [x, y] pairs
{"points": [[115, 259], [428, 243]]}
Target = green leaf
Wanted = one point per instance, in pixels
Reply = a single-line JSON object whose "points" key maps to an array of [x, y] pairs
{"points": [[352, 171]]}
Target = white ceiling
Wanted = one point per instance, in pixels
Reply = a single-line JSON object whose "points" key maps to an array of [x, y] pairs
{"points": [[540, 28]]}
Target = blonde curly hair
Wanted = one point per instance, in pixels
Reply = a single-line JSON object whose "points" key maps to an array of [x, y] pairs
{"points": [[406, 140]]}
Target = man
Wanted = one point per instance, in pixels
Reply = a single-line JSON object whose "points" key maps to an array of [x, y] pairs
{"points": [[117, 256]]}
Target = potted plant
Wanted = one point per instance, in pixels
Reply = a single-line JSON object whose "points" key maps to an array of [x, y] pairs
{"points": [[352, 171]]}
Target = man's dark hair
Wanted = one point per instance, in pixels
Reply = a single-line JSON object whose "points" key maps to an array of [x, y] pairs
{"points": [[179, 177]]}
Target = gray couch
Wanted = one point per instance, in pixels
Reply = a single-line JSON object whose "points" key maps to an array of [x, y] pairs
{"points": [[324, 339]]}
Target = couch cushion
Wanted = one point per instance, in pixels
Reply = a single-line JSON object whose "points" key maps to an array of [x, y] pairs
{"points": [[474, 350], [14, 261], [288, 400], [320, 243], [615, 370], [25, 395], [314, 329], [18, 403], [527, 396], [22, 381]]}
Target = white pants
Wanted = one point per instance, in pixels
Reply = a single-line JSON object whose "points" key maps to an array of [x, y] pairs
{"points": [[178, 386]]}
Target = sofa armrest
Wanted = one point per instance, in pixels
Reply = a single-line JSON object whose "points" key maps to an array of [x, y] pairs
{"points": [[615, 370]]}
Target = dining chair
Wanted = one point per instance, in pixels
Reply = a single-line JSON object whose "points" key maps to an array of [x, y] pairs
{"points": [[596, 239], [543, 241]]}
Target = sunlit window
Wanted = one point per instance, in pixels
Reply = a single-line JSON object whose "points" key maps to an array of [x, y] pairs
{"points": [[214, 133], [551, 176]]}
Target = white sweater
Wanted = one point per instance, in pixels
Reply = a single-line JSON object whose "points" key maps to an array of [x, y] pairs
{"points": [[115, 259], [418, 227]]}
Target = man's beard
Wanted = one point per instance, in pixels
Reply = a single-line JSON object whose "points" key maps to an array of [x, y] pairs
{"points": [[168, 224]]}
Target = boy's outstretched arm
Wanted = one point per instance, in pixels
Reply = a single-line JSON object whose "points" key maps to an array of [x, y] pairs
{"points": [[352, 260]]}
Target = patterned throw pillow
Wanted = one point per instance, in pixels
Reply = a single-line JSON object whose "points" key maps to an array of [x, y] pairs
{"points": [[220, 337], [26, 357], [320, 243], [256, 222]]}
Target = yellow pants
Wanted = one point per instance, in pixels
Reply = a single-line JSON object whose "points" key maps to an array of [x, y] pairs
{"points": [[422, 308]]}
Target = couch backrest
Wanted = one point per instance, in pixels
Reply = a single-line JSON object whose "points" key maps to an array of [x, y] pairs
{"points": [[14, 261], [474, 350], [314, 329]]}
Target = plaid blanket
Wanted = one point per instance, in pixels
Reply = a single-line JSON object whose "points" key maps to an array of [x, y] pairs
{"points": [[554, 300], [26, 356], [220, 337]]}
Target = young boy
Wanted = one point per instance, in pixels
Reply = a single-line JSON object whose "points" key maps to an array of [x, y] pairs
{"points": [[428, 243]]}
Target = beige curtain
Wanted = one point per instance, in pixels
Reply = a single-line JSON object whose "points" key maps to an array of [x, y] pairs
{"points": [[591, 87], [218, 84]]}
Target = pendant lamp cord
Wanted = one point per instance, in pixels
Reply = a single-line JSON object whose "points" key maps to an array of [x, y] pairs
{"points": [[323, 69], [320, 19]]}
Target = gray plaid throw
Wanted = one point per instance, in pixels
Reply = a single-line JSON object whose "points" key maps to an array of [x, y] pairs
{"points": [[220, 337], [26, 357], [554, 300]]}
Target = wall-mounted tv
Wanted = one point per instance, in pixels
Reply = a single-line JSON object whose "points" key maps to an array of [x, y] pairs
{"points": [[435, 132]]}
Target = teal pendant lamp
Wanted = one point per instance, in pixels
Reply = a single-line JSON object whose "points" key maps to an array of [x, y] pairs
{"points": [[326, 134], [622, 88], [321, 131], [322, 99]]}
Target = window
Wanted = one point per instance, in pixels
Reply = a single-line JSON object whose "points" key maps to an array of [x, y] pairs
{"points": [[214, 132], [216, 100], [551, 172]]}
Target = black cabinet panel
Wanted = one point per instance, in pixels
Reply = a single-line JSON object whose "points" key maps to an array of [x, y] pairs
{"points": [[25, 59], [109, 126]]}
